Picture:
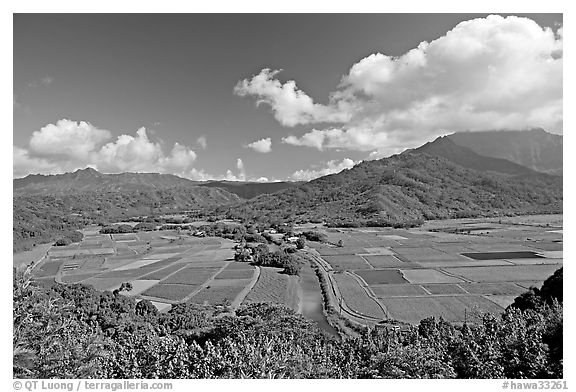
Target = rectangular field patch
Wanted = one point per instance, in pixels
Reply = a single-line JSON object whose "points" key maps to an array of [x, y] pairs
{"points": [[398, 290], [275, 288], [428, 276], [136, 264], [77, 278], [235, 274], [239, 266], [337, 251], [139, 286], [173, 292], [356, 297], [216, 295], [444, 289], [384, 261], [379, 251], [346, 262], [164, 272], [48, 268], [452, 309], [127, 274], [191, 276], [505, 274], [389, 276], [502, 255], [504, 288]]}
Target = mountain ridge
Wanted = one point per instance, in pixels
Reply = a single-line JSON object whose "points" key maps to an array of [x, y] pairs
{"points": [[535, 148], [405, 189], [445, 147], [89, 179]]}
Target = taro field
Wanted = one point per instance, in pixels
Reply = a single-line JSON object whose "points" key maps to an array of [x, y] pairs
{"points": [[456, 269], [164, 267]]}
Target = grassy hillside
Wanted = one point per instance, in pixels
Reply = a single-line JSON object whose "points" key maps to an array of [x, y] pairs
{"points": [[407, 188]]}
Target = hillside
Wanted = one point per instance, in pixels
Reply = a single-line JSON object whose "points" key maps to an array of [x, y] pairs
{"points": [[248, 190], [40, 218], [404, 189], [91, 180], [535, 149], [463, 156]]}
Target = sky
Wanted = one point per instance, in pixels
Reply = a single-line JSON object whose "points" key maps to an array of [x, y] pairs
{"points": [[261, 97]]}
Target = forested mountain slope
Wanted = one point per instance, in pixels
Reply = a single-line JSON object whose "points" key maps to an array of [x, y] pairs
{"points": [[406, 188]]}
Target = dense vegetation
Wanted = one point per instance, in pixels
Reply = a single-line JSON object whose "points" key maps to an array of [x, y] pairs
{"points": [[286, 257], [400, 191], [73, 331], [69, 238], [403, 190], [46, 218]]}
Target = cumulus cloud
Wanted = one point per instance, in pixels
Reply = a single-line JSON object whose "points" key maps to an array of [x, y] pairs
{"points": [[241, 170], [361, 138], [263, 145], [68, 138], [291, 106], [331, 167], [201, 141], [140, 154], [69, 145], [23, 164], [486, 73]]}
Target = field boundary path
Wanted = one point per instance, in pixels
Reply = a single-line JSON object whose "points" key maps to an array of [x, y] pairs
{"points": [[337, 296], [369, 292], [242, 295]]}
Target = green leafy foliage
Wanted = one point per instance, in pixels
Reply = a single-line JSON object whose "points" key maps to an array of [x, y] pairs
{"points": [[73, 331]]}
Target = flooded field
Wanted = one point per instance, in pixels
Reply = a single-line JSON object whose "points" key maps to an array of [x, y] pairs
{"points": [[456, 269]]}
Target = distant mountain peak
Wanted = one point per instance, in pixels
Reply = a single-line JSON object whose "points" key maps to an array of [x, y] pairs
{"points": [[446, 148], [535, 148], [87, 170]]}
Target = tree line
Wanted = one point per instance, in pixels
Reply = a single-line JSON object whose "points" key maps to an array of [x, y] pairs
{"points": [[74, 331]]}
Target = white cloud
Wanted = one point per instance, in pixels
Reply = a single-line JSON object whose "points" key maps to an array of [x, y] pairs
{"points": [[361, 138], [23, 164], [140, 154], [331, 167], [202, 142], [262, 179], [69, 145], [241, 170], [290, 105], [68, 138], [487, 73], [263, 145]]}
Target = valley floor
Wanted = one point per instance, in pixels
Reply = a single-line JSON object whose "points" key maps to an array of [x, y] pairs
{"points": [[456, 269]]}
